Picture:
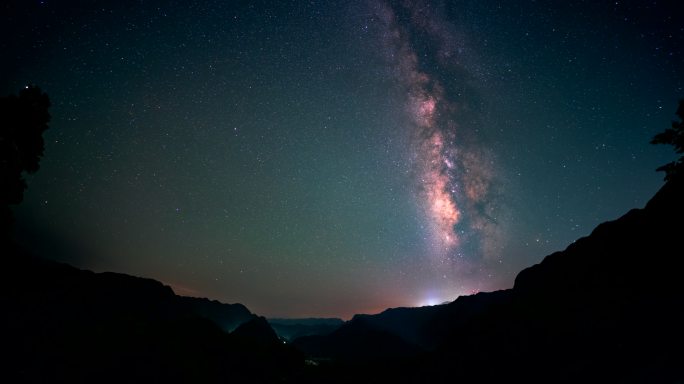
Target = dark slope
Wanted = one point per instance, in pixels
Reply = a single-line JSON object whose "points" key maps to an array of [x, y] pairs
{"points": [[356, 342], [257, 330], [226, 316], [62, 324], [399, 332], [608, 308], [408, 323]]}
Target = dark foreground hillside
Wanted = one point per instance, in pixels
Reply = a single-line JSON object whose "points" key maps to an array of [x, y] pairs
{"points": [[609, 308], [62, 324]]}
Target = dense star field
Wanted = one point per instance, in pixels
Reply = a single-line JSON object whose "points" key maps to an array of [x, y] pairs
{"points": [[311, 158]]}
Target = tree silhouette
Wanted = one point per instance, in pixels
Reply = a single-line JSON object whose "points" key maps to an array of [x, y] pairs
{"points": [[23, 119], [673, 136]]}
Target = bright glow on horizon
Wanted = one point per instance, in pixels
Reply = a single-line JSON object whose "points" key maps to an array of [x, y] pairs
{"points": [[430, 302], [433, 300]]}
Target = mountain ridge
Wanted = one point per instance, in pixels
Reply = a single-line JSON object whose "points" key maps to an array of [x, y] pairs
{"points": [[587, 313], [64, 324]]}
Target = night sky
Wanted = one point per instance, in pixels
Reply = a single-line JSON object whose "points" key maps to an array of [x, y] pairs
{"points": [[320, 158]]}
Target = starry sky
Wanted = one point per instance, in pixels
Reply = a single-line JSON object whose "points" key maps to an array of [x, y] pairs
{"points": [[320, 158]]}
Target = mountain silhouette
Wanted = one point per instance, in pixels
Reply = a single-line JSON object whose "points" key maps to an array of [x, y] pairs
{"points": [[608, 308], [257, 330], [226, 316], [63, 324], [355, 343]]}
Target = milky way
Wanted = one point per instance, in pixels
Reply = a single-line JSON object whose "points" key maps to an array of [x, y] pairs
{"points": [[453, 175]]}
